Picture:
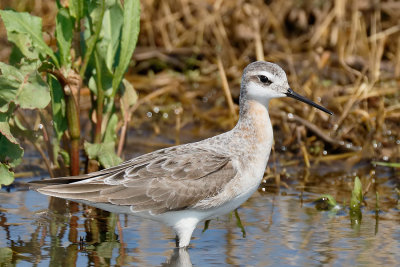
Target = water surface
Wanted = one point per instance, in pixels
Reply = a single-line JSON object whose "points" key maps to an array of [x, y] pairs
{"points": [[282, 227]]}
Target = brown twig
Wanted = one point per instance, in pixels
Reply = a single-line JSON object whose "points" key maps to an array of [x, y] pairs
{"points": [[225, 86], [319, 133]]}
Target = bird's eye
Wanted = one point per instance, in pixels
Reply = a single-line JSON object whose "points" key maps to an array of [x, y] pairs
{"points": [[264, 79]]}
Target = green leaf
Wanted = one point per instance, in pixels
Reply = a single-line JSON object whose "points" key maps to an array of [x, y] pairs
{"points": [[65, 155], [24, 23], [22, 86], [10, 151], [387, 164], [64, 27], [93, 27], [109, 38], [24, 45], [110, 134], [129, 97], [105, 81], [15, 56], [107, 46], [355, 204], [46, 66], [9, 83], [77, 9], [129, 37], [326, 202], [6, 177], [356, 195], [104, 153], [60, 122]]}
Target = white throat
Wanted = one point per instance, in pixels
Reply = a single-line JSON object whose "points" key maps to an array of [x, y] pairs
{"points": [[261, 94]]}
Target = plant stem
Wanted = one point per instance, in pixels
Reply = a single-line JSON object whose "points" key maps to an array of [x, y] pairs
{"points": [[74, 132], [71, 86], [99, 100]]}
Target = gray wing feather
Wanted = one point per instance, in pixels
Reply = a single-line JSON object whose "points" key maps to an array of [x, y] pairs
{"points": [[164, 180]]}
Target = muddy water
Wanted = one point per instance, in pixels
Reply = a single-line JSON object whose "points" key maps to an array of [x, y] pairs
{"points": [[282, 227]]}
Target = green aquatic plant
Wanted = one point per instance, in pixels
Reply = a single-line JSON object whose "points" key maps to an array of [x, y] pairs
{"points": [[94, 44], [356, 195], [355, 203], [239, 223], [326, 202], [387, 164]]}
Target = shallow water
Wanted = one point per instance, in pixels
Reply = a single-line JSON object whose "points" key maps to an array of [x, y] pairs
{"points": [[282, 228]]}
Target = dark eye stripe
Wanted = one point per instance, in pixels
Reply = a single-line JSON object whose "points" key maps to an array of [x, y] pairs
{"points": [[264, 79]]}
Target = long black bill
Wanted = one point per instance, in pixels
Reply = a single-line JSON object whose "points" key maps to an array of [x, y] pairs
{"points": [[293, 94]]}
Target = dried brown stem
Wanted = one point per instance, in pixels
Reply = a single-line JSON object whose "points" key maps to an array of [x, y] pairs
{"points": [[225, 86]]}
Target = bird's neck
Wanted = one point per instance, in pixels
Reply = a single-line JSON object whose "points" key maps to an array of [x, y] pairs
{"points": [[254, 121]]}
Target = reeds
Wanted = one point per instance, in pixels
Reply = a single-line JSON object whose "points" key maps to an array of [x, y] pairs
{"points": [[345, 54]]}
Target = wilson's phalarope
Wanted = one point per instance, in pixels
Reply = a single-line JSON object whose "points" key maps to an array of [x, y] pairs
{"points": [[183, 185]]}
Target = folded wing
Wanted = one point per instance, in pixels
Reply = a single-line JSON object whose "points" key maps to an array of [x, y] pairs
{"points": [[165, 180]]}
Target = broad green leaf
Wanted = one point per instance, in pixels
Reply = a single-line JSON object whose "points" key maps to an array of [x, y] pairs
{"points": [[15, 56], [129, 97], [10, 80], [60, 122], [6, 176], [91, 34], [105, 53], [110, 134], [64, 27], [108, 111], [129, 37], [106, 78], [24, 44], [104, 153], [5, 127], [18, 129], [77, 9], [34, 93], [10, 151], [109, 38], [22, 86], [24, 23]]}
